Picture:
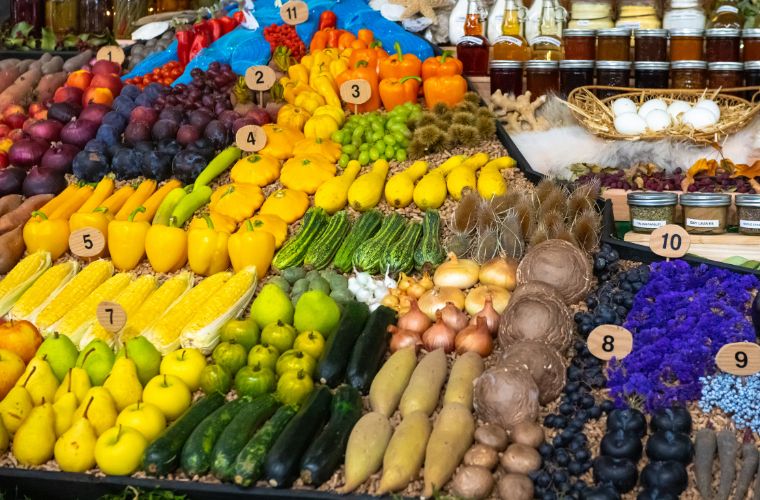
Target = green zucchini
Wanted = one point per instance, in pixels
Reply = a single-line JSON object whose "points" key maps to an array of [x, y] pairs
{"points": [[250, 461], [369, 256], [293, 251], [283, 459], [321, 252], [430, 251], [400, 254], [332, 364], [238, 433], [196, 454], [162, 456], [363, 229], [326, 452], [370, 349]]}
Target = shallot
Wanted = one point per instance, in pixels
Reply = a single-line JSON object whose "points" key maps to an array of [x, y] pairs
{"points": [[404, 338], [439, 335], [453, 317], [490, 315], [475, 338], [414, 320]]}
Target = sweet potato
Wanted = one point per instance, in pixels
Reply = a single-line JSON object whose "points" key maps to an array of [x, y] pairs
{"points": [[11, 249], [21, 89], [424, 388], [9, 202], [54, 65], [7, 63], [49, 84], [24, 64], [77, 61], [21, 214], [8, 75]]}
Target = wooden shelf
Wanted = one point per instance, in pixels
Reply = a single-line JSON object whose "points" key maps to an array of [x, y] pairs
{"points": [[716, 247]]}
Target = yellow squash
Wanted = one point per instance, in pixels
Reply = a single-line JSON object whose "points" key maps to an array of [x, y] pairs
{"points": [[292, 116], [491, 183], [333, 194], [430, 192], [400, 187], [365, 192]]}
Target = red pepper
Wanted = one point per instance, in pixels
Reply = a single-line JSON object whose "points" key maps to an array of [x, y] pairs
{"points": [[238, 16], [184, 42], [216, 28], [327, 19], [228, 24], [200, 42], [332, 37]]}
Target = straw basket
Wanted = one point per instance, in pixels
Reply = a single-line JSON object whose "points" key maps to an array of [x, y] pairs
{"points": [[596, 114]]}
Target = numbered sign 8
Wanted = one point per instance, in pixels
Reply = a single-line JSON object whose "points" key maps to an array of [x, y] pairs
{"points": [[670, 241], [111, 316], [112, 53], [355, 91], [739, 358], [610, 341], [294, 12], [251, 138], [87, 242], [260, 78]]}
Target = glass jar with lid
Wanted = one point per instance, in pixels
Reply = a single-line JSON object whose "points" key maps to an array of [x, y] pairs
{"points": [[748, 211], [650, 210], [95, 17], [723, 44], [62, 16], [28, 11], [591, 14], [612, 74], [726, 14], [705, 213], [686, 44], [650, 45], [751, 42], [751, 75], [580, 44], [574, 74], [684, 14], [125, 13], [542, 77], [652, 74], [725, 74], [613, 44], [507, 76], [688, 74], [638, 14]]}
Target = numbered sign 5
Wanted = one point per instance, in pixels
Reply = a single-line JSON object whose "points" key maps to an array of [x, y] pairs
{"points": [[294, 12], [111, 316], [87, 242], [739, 358], [260, 78], [610, 341], [671, 241], [251, 138], [355, 91], [112, 53]]}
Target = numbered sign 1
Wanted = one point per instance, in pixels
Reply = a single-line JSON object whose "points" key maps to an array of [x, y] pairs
{"points": [[260, 78], [112, 53], [671, 241], [355, 92], [610, 341], [111, 316], [87, 242], [739, 358], [251, 138], [294, 12]]}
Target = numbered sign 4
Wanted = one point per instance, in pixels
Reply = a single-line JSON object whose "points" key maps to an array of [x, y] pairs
{"points": [[355, 91], [251, 138], [610, 341], [294, 12], [670, 241], [111, 316], [87, 242], [260, 78], [739, 358], [112, 53]]}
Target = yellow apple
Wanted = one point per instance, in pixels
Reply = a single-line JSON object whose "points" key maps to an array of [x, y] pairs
{"points": [[186, 364], [119, 451], [11, 368], [169, 394], [143, 417]]}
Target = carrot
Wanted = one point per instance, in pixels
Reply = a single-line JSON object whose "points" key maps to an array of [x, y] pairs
{"points": [[750, 459], [704, 454], [727, 448]]}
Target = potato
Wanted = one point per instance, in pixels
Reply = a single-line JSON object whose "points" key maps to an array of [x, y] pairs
{"points": [[520, 459], [492, 436], [472, 482], [482, 456], [515, 487], [527, 433]]}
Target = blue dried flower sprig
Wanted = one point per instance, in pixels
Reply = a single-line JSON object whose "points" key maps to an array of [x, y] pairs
{"points": [[735, 395]]}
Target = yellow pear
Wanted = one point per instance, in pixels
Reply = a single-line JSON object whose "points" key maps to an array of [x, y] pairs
{"points": [[123, 383], [34, 441], [40, 381], [15, 408], [5, 438], [102, 413], [75, 449], [64, 412], [77, 381]]}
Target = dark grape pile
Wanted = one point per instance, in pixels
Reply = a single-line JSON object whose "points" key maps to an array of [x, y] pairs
{"points": [[664, 181]]}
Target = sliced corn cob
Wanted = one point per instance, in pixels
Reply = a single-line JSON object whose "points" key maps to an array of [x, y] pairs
{"points": [[78, 320], [43, 291], [164, 332], [21, 277], [156, 305], [202, 332], [130, 299], [74, 292]]}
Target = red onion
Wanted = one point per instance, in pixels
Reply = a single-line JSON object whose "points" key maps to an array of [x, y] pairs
{"points": [[404, 338], [453, 317], [439, 335], [59, 157], [490, 315], [63, 112], [414, 320], [11, 179], [27, 152], [43, 181], [79, 132], [46, 130], [475, 338]]}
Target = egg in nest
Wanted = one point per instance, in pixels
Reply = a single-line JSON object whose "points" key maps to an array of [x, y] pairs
{"points": [[699, 118], [677, 109], [658, 120], [630, 124], [623, 105], [651, 105], [710, 106]]}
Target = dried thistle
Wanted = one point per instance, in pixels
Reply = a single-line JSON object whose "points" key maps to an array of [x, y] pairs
{"points": [[539, 235], [510, 236], [582, 199], [554, 202], [459, 243], [544, 188], [525, 216], [466, 213], [565, 234], [586, 229], [501, 204], [487, 218], [487, 246], [553, 221]]}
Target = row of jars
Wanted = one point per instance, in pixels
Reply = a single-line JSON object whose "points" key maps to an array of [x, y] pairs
{"points": [[703, 213], [542, 77]]}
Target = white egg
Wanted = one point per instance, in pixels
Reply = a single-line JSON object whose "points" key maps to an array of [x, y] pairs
{"points": [[699, 118], [710, 106], [630, 124], [623, 105], [677, 108], [658, 120], [651, 105]]}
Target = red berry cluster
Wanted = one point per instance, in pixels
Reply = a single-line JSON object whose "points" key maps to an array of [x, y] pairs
{"points": [[285, 34]]}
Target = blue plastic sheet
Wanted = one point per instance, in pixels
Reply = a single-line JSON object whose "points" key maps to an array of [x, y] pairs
{"points": [[154, 61]]}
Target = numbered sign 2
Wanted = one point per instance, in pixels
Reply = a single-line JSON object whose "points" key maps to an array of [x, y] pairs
{"points": [[355, 91], [610, 341], [739, 358], [671, 241], [251, 138], [260, 78], [111, 316], [87, 242], [112, 53], [294, 12]]}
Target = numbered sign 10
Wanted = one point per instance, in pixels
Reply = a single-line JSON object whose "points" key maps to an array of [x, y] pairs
{"points": [[87, 242], [251, 138], [294, 12], [610, 341], [112, 53], [739, 358], [670, 241], [260, 78], [111, 316]]}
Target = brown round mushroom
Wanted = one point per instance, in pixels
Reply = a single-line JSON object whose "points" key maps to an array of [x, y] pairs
{"points": [[472, 482], [539, 316], [520, 459], [515, 487], [482, 456], [492, 436], [560, 264], [506, 396], [527, 433], [545, 364]]}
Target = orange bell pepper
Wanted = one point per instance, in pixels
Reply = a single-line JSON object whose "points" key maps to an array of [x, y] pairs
{"points": [[333, 35], [362, 71], [449, 90], [395, 91], [444, 65], [345, 40], [373, 54], [318, 41], [400, 65], [366, 35]]}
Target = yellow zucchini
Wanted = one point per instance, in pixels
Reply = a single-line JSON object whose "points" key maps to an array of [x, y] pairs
{"points": [[366, 447], [405, 453], [459, 388], [425, 385], [390, 382], [451, 437]]}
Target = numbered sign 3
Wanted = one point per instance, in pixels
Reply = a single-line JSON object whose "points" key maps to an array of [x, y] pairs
{"points": [[251, 138], [111, 316], [610, 341], [670, 241], [260, 78], [87, 242], [355, 91], [294, 12], [112, 53], [739, 358]]}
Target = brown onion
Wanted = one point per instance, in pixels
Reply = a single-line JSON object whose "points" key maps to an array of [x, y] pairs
{"points": [[475, 338], [415, 320], [453, 317], [404, 338], [439, 335], [490, 315]]}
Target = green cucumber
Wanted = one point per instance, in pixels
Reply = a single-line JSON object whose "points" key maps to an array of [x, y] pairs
{"points": [[238, 433], [369, 256], [399, 258], [326, 452], [196, 454], [162, 456], [293, 251], [250, 461], [430, 251], [321, 252], [370, 348], [363, 229], [332, 364], [282, 461]]}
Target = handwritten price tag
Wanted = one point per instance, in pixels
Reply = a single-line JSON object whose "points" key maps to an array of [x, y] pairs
{"points": [[111, 316], [355, 91], [670, 241], [260, 78], [610, 341], [87, 242], [739, 358], [112, 53], [294, 12], [251, 138]]}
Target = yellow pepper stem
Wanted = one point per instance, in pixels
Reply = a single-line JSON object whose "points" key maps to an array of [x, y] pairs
{"points": [[136, 211]]}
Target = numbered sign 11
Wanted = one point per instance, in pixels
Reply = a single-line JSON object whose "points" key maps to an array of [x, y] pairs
{"points": [[251, 138], [670, 241], [739, 358], [111, 316], [610, 341], [112, 53], [87, 242], [294, 12]]}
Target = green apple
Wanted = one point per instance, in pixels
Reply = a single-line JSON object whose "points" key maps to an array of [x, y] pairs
{"points": [[119, 450], [169, 394], [254, 381], [97, 360], [279, 335], [186, 364], [230, 356], [263, 355], [143, 417], [215, 379], [146, 357], [60, 352], [243, 331], [271, 305]]}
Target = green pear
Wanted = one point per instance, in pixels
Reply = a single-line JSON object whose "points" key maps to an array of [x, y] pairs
{"points": [[102, 411], [15, 408], [123, 383], [75, 449], [5, 437], [146, 357], [64, 412], [40, 381], [316, 311], [34, 441], [272, 305], [97, 360], [60, 352], [76, 381]]}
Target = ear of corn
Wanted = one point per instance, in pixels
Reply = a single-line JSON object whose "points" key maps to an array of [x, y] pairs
{"points": [[202, 332], [44, 289], [21, 277], [75, 291], [130, 299], [165, 331]]}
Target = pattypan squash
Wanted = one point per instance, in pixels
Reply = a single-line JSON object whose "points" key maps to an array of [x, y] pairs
{"points": [[292, 116], [306, 173], [288, 204], [237, 201], [325, 148], [273, 225], [257, 169], [280, 141]]}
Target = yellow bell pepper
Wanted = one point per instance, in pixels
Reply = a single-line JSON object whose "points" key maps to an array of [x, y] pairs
{"points": [[248, 247], [280, 141], [307, 60], [43, 233], [257, 169], [298, 73], [330, 53], [237, 201], [320, 127], [335, 111], [166, 247], [292, 116], [98, 218], [126, 240], [325, 148], [306, 173], [207, 252], [221, 222], [288, 204], [327, 88], [291, 89], [338, 66], [309, 100], [273, 225]]}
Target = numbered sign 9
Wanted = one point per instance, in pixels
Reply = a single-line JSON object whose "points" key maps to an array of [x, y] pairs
{"points": [[260, 78], [251, 138], [294, 12], [355, 91], [111, 316], [670, 241], [87, 242], [610, 341], [739, 358], [112, 53]]}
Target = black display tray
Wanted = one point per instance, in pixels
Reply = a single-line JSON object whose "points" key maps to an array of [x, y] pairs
{"points": [[35, 54]]}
